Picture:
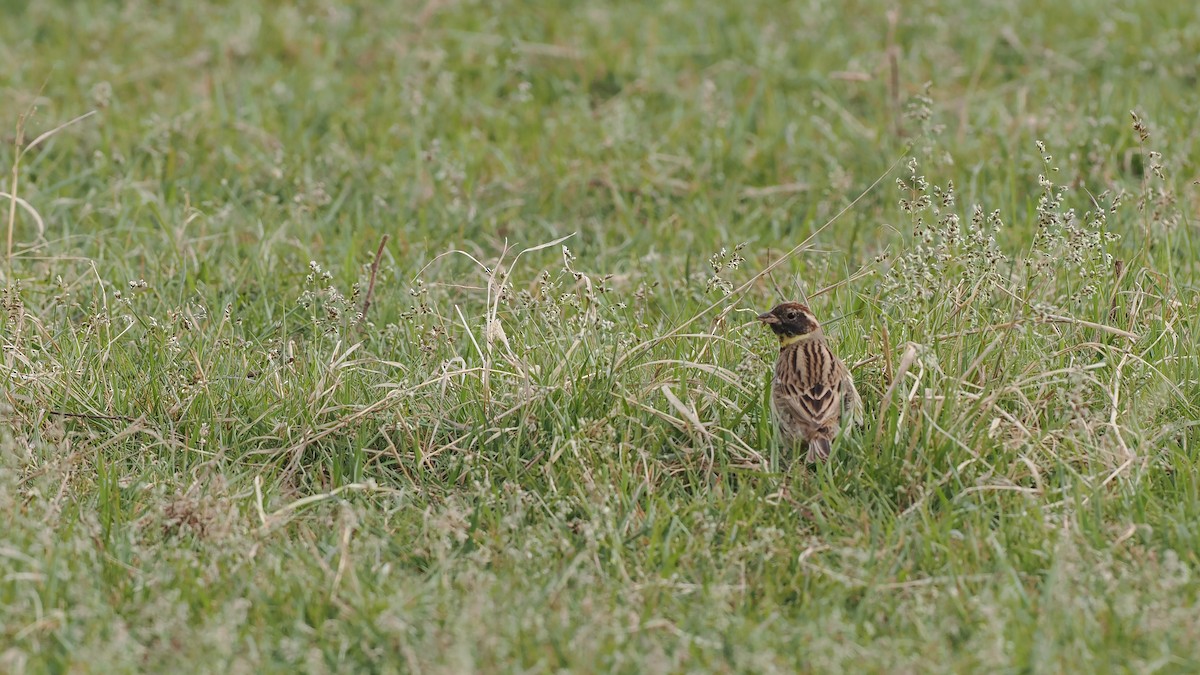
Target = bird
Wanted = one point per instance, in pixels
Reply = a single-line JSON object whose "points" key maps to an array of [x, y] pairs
{"points": [[812, 391]]}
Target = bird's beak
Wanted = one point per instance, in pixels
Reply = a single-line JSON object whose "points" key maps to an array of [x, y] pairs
{"points": [[768, 318]]}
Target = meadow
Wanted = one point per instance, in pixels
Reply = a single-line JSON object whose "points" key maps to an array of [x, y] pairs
{"points": [[419, 336]]}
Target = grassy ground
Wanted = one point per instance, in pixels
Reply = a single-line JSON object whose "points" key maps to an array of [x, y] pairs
{"points": [[534, 459]]}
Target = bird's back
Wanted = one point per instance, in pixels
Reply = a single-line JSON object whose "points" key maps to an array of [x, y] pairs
{"points": [[806, 388]]}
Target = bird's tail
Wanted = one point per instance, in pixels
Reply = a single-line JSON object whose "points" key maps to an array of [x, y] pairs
{"points": [[818, 449]]}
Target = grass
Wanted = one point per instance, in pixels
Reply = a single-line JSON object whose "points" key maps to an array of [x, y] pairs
{"points": [[545, 446]]}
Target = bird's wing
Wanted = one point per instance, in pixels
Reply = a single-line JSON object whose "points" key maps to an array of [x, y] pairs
{"points": [[811, 403]]}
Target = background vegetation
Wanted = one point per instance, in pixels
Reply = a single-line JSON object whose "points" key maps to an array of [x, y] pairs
{"points": [[536, 453]]}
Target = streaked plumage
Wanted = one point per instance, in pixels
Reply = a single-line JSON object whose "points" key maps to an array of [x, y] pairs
{"points": [[812, 391]]}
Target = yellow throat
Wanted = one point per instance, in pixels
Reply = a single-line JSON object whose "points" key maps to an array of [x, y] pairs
{"points": [[789, 340]]}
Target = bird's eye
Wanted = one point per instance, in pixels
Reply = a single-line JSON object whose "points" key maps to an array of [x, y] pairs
{"points": [[791, 314]]}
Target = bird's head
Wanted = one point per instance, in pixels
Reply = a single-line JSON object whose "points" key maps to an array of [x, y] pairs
{"points": [[790, 321]]}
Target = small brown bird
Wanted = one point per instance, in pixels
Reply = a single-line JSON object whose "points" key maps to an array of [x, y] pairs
{"points": [[812, 389]]}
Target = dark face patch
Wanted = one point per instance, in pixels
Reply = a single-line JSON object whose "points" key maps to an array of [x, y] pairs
{"points": [[789, 319]]}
